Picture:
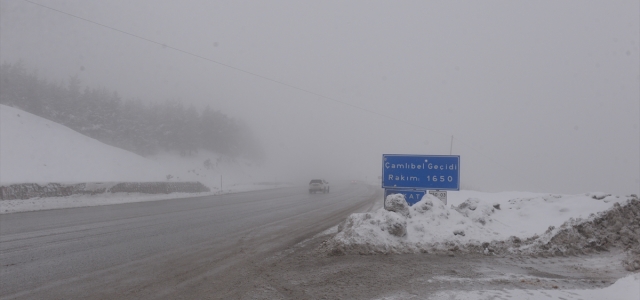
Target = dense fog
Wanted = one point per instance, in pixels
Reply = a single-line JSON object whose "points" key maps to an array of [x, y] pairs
{"points": [[541, 96]]}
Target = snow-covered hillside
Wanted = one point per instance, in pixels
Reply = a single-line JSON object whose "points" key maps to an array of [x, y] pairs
{"points": [[37, 150], [33, 149]]}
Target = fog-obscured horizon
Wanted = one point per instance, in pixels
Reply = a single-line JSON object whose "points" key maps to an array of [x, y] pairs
{"points": [[541, 97]]}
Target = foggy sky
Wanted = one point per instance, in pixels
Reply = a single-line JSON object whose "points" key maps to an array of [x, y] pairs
{"points": [[541, 96]]}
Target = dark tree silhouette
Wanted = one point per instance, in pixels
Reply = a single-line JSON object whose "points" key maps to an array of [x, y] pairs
{"points": [[132, 125]]}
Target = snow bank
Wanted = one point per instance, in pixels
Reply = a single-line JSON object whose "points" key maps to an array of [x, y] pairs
{"points": [[470, 225], [618, 227]]}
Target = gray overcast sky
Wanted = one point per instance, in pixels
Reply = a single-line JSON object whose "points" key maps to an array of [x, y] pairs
{"points": [[539, 96]]}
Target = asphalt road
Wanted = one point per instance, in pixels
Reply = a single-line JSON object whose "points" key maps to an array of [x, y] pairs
{"points": [[181, 248]]}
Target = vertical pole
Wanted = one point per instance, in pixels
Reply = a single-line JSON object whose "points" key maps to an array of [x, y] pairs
{"points": [[451, 147], [220, 182]]}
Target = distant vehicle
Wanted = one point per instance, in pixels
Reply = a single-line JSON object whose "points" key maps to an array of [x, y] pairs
{"points": [[318, 185], [354, 181]]}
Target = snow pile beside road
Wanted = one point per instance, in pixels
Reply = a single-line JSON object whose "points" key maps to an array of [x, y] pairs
{"points": [[618, 227], [426, 226], [480, 223]]}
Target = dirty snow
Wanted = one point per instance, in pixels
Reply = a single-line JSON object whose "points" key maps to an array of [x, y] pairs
{"points": [[627, 288], [471, 218]]}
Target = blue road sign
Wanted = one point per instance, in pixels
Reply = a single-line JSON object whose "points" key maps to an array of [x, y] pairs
{"points": [[427, 172], [411, 196]]}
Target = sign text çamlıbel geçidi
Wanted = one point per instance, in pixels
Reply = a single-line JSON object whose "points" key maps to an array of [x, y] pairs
{"points": [[429, 172]]}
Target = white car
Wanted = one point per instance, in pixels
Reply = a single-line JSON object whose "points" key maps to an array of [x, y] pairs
{"points": [[318, 185]]}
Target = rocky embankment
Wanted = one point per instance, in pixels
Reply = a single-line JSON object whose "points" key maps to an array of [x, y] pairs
{"points": [[33, 190]]}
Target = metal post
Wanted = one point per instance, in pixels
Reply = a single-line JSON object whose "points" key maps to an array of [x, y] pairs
{"points": [[451, 147]]}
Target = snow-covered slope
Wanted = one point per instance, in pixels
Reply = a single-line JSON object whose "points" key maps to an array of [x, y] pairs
{"points": [[37, 150], [33, 149]]}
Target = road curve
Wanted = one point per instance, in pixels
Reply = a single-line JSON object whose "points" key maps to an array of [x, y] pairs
{"points": [[181, 248]]}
